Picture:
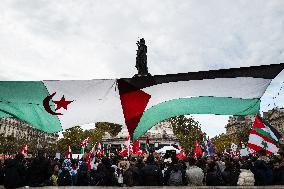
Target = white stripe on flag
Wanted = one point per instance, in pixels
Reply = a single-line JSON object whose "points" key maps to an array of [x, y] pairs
{"points": [[259, 141], [241, 87]]}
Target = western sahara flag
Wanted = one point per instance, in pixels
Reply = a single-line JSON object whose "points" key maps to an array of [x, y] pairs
{"points": [[139, 102], [263, 137]]}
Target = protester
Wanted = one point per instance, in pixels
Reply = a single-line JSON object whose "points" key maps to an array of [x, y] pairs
{"points": [[278, 172], [262, 172], [246, 177], [54, 176], [151, 173], [15, 172], [83, 175], [39, 171], [1, 173], [213, 173], [195, 174], [132, 176], [65, 177]]}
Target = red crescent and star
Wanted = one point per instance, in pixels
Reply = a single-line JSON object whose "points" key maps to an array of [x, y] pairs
{"points": [[62, 103]]}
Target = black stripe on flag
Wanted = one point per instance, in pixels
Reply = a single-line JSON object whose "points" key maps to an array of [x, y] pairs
{"points": [[264, 71], [276, 133]]}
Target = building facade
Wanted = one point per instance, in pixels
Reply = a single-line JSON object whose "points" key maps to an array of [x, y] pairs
{"points": [[23, 131], [160, 135], [276, 119], [238, 123]]}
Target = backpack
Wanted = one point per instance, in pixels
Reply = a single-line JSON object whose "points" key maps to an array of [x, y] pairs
{"points": [[64, 178], [175, 178]]}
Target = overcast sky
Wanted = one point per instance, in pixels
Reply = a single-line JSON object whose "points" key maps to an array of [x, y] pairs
{"points": [[88, 39]]}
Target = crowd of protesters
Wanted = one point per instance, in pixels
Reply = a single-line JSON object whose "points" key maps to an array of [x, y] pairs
{"points": [[139, 171]]}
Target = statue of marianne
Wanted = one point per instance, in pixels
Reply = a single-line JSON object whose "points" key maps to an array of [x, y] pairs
{"points": [[141, 58]]}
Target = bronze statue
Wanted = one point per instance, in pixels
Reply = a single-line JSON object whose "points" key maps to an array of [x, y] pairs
{"points": [[141, 58]]}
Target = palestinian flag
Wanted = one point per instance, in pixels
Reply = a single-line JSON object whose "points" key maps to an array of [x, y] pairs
{"points": [[234, 91], [138, 102], [262, 137]]}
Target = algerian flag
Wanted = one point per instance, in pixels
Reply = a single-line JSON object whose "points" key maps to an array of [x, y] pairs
{"points": [[262, 138], [139, 102]]}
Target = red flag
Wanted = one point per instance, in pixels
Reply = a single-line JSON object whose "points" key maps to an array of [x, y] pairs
{"points": [[147, 140], [136, 146], [24, 150], [100, 151], [88, 161], [68, 154], [125, 152], [197, 150], [181, 155]]}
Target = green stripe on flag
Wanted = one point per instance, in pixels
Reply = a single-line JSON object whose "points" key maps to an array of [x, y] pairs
{"points": [[24, 100], [264, 133], [195, 105]]}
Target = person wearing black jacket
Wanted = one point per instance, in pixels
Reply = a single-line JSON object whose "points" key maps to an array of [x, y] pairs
{"points": [[151, 173], [39, 171], [262, 172], [213, 173], [15, 172], [83, 178], [132, 176], [104, 175], [1, 173], [278, 173]]}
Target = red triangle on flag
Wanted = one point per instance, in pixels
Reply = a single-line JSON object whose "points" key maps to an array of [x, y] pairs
{"points": [[258, 123], [133, 102]]}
